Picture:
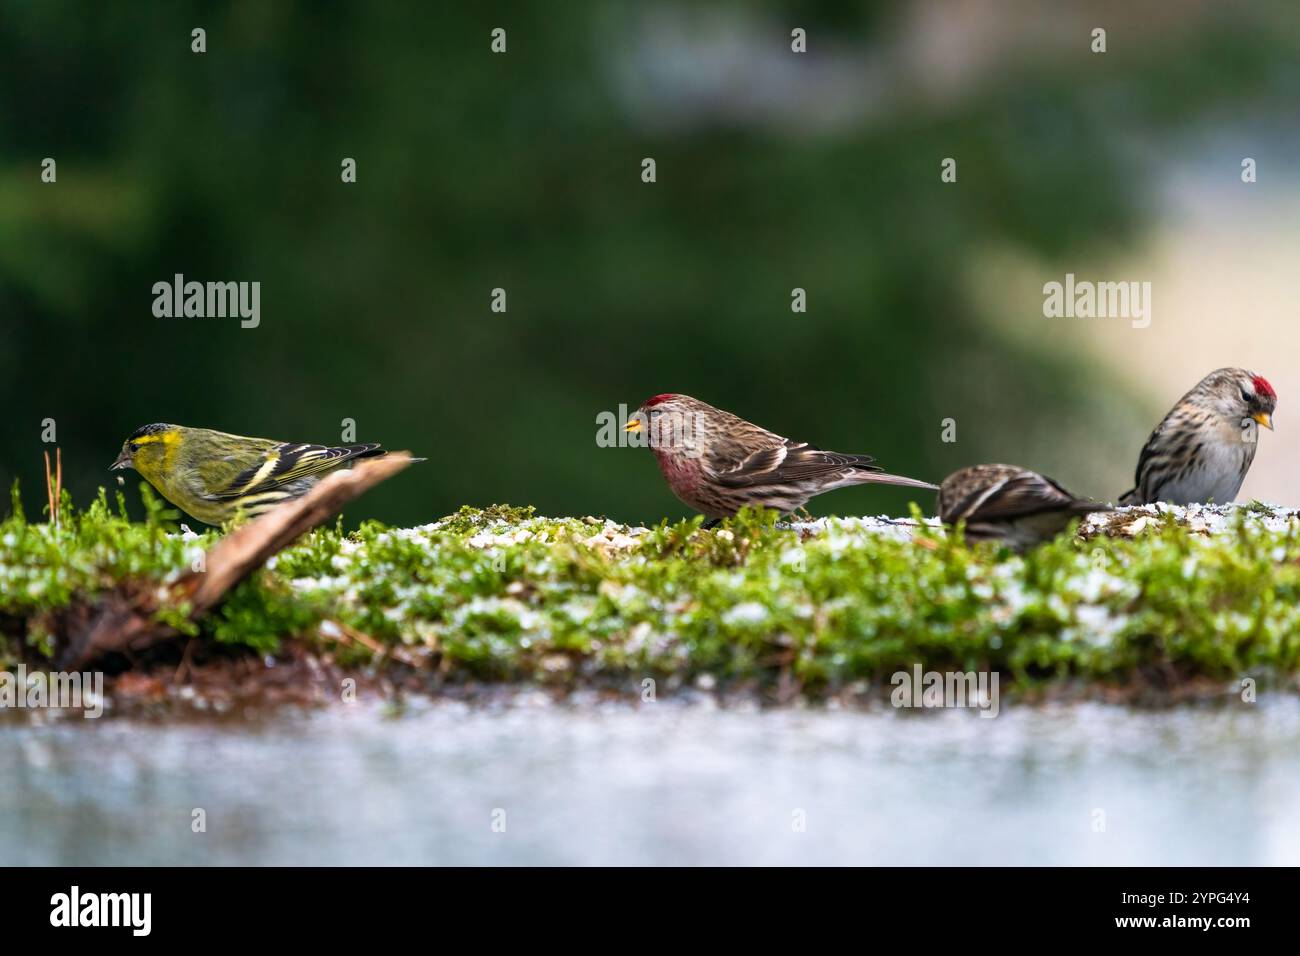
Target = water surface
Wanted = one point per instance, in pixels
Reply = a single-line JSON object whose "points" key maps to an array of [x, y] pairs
{"points": [[662, 783]]}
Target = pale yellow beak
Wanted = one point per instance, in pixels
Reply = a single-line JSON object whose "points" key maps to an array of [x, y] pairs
{"points": [[1264, 419], [633, 425]]}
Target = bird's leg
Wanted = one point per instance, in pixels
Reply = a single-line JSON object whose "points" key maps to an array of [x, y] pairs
{"points": [[710, 524]]}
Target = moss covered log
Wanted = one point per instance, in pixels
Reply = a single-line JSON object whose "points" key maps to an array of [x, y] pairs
{"points": [[501, 595]]}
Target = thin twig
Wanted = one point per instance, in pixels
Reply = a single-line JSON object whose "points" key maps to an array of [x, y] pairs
{"points": [[184, 666], [379, 650], [49, 487], [58, 485]]}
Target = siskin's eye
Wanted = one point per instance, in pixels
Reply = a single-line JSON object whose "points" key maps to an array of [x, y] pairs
{"points": [[133, 447]]}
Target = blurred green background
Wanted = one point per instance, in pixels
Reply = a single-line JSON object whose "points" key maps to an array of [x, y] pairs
{"points": [[775, 170]]}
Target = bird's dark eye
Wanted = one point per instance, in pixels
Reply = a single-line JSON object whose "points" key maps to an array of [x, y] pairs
{"points": [[133, 447], [1246, 396]]}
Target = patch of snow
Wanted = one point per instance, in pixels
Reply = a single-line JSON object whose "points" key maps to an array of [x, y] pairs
{"points": [[746, 612]]}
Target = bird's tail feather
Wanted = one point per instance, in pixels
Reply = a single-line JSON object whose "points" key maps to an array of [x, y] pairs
{"points": [[880, 478]]}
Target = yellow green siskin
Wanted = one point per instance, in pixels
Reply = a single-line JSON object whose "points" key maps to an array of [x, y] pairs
{"points": [[218, 478]]}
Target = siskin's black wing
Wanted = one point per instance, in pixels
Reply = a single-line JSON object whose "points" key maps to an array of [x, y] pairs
{"points": [[287, 463]]}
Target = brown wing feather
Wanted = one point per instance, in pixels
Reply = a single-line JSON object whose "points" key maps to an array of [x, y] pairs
{"points": [[996, 492], [790, 462]]}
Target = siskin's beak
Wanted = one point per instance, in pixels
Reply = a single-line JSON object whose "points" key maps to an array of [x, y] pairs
{"points": [[633, 424], [1264, 418], [123, 461]]}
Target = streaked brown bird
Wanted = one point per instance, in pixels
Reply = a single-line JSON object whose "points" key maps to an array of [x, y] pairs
{"points": [[1200, 452], [1010, 504], [717, 463]]}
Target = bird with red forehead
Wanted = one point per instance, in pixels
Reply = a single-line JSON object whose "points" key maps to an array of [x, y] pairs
{"points": [[718, 463], [1200, 452]]}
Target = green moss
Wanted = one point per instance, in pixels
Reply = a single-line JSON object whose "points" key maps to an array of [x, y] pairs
{"points": [[43, 568], [469, 519], [499, 594]]}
